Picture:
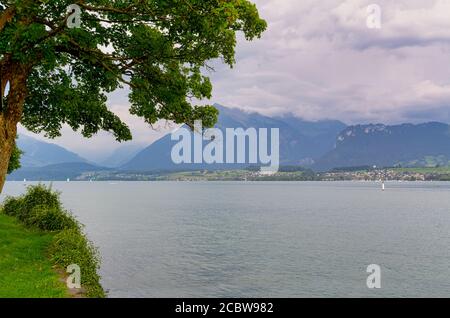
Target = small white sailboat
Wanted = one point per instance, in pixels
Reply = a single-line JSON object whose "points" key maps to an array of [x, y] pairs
{"points": [[383, 186], [68, 180]]}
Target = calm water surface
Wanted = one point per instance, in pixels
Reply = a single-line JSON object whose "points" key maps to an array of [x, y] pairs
{"points": [[280, 239]]}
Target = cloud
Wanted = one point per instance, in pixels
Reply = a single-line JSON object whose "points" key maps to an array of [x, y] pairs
{"points": [[320, 60]]}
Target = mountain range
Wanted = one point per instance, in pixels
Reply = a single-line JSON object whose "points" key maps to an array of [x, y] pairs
{"points": [[407, 145], [320, 145], [300, 141]]}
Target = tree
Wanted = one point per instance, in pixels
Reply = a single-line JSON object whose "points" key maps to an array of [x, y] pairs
{"points": [[157, 49]]}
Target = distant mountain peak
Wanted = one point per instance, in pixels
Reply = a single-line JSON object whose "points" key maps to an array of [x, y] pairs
{"points": [[40, 153], [358, 130]]}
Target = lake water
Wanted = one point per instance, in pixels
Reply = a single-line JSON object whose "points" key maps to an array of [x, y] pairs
{"points": [[267, 239]]}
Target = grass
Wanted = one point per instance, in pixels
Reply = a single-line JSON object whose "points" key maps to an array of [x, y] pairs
{"points": [[25, 268]]}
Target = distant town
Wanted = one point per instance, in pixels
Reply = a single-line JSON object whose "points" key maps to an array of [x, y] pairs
{"points": [[285, 174]]}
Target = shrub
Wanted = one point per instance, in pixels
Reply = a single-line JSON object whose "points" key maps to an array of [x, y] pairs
{"points": [[70, 247], [39, 195], [40, 207], [51, 219], [12, 206]]}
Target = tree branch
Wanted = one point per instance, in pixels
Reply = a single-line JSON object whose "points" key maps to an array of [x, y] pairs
{"points": [[6, 17]]}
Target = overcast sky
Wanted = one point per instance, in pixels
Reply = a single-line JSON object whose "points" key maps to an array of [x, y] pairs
{"points": [[319, 60]]}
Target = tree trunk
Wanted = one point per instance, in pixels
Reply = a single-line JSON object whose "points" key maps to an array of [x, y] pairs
{"points": [[16, 74], [11, 115], [6, 148]]}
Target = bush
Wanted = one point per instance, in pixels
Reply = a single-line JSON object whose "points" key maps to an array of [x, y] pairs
{"points": [[12, 206], [70, 247], [40, 207], [39, 195], [22, 206], [51, 219]]}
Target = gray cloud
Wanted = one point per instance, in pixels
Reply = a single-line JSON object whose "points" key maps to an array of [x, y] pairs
{"points": [[319, 60]]}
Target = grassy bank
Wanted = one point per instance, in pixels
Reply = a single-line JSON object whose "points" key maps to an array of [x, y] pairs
{"points": [[25, 268], [37, 236]]}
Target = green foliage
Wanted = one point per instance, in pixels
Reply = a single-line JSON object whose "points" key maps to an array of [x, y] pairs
{"points": [[70, 247], [13, 206], [14, 162], [36, 197], [158, 50], [50, 219], [40, 195], [40, 208]]}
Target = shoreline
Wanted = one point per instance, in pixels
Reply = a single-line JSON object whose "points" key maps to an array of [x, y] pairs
{"points": [[284, 174], [113, 182]]}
